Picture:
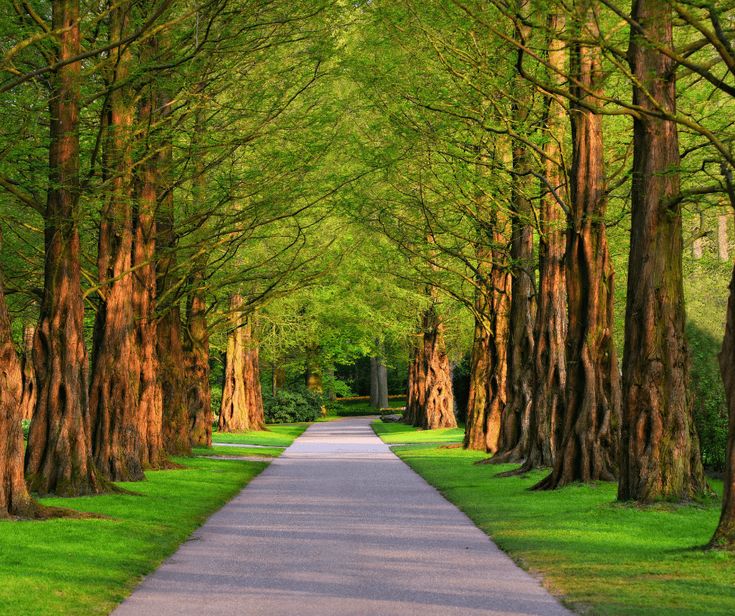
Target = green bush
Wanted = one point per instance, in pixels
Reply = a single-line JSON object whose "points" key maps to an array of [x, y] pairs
{"points": [[26, 428], [292, 405]]}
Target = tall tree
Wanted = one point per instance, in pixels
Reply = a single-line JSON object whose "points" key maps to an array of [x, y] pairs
{"points": [[587, 448], [114, 392], [660, 456], [59, 454]]}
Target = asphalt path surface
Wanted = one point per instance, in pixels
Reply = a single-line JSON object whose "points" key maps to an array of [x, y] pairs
{"points": [[338, 525]]}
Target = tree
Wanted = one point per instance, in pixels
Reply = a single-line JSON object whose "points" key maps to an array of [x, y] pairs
{"points": [[660, 456], [59, 453]]}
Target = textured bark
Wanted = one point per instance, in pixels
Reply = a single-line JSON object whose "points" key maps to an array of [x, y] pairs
{"points": [[196, 348], [150, 401], [550, 329], [233, 414], [660, 456], [725, 533], [256, 412], [14, 497], [488, 363], [59, 453], [170, 343], [28, 373], [589, 443], [114, 392], [434, 402], [416, 384], [699, 234]]}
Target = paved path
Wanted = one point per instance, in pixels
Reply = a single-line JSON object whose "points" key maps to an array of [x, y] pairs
{"points": [[339, 526]]}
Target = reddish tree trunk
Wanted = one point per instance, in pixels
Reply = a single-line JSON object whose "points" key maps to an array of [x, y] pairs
{"points": [[28, 372], [433, 403], [199, 395], [234, 415], [416, 385], [58, 458], [660, 456], [150, 402], [114, 392], [14, 497], [256, 412], [588, 449], [488, 364], [170, 344]]}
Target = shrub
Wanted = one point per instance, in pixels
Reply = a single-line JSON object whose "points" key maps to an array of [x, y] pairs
{"points": [[26, 423], [292, 405]]}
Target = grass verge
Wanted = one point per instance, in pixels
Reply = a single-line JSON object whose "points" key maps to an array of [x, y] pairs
{"points": [[603, 557], [276, 435], [270, 452], [68, 566], [398, 433]]}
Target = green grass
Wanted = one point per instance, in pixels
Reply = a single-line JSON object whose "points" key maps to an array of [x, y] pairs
{"points": [[86, 567], [603, 557], [394, 433], [276, 435], [271, 452]]}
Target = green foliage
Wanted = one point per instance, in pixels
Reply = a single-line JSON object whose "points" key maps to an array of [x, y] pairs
{"points": [[602, 557], [359, 408], [88, 566], [26, 428], [292, 405]]}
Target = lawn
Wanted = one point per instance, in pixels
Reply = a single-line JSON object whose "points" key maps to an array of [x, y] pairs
{"points": [[395, 433], [88, 566], [271, 452], [602, 557], [276, 435]]}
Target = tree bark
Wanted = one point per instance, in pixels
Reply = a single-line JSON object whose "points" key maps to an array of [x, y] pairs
{"points": [[59, 453], [382, 384], [374, 386], [150, 401], [660, 456], [233, 414], [416, 384], [724, 536], [196, 348], [170, 344], [488, 362], [114, 393], [256, 412], [28, 373], [433, 402], [14, 497], [589, 442]]}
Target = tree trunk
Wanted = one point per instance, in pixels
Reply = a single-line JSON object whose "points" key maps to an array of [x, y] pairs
{"points": [[660, 456], [150, 401], [256, 412], [170, 344], [433, 404], [416, 385], [14, 497], [589, 443], [196, 348], [59, 453], [698, 243], [114, 392], [725, 533], [382, 384], [374, 385], [28, 373], [234, 415]]}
